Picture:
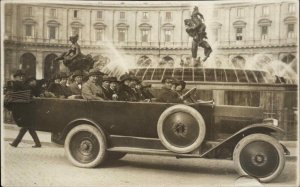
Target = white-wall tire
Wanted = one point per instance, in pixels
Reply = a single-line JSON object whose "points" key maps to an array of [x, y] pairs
{"points": [[181, 128], [260, 156], [85, 146]]}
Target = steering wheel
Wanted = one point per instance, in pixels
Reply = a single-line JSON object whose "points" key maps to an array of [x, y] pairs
{"points": [[189, 93]]}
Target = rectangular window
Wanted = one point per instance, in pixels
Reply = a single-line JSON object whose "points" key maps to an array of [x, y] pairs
{"points": [[99, 34], [75, 14], [240, 12], [53, 13], [242, 98], [29, 11], [239, 34], [145, 15], [52, 32], [122, 15], [168, 35], [168, 15], [265, 11], [99, 14], [264, 32], [121, 35], [291, 30], [292, 8], [145, 35], [75, 30], [28, 30]]}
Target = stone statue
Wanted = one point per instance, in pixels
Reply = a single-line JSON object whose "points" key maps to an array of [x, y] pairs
{"points": [[74, 59], [196, 29]]}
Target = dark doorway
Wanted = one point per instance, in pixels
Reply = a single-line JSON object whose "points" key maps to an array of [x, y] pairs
{"points": [[28, 65], [50, 67]]}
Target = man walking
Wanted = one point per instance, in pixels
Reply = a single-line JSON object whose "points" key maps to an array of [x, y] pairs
{"points": [[19, 85]]}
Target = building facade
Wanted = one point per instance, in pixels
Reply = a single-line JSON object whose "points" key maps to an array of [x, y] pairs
{"points": [[37, 33]]}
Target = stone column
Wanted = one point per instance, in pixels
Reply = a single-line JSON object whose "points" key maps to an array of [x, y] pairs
{"points": [[39, 65]]}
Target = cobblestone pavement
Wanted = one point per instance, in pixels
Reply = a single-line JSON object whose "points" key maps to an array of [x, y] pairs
{"points": [[48, 166]]}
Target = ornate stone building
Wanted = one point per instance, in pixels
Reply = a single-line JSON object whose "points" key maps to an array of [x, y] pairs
{"points": [[36, 33]]}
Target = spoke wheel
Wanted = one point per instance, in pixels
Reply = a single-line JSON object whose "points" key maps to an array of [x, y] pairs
{"points": [[181, 129], [85, 146], [260, 156]]}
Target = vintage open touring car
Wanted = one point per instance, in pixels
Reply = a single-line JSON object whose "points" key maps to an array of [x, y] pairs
{"points": [[93, 132]]}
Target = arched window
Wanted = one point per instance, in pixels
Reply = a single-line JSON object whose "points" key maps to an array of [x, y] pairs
{"points": [[238, 62], [144, 61], [288, 58], [28, 64], [50, 67], [167, 61]]}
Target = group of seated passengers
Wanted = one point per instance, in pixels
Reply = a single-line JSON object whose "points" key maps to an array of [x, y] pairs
{"points": [[99, 86]]}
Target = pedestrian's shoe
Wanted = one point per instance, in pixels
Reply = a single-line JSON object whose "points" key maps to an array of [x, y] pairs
{"points": [[13, 145], [37, 146]]}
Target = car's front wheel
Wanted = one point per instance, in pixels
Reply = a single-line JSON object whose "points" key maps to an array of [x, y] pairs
{"points": [[260, 156], [85, 146]]}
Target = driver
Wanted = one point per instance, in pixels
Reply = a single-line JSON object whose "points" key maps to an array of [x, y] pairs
{"points": [[167, 95]]}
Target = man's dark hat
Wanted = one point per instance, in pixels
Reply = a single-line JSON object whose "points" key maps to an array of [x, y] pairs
{"points": [[77, 73], [182, 83], [170, 80], [19, 72], [95, 72], [135, 78], [125, 77], [63, 75], [113, 79], [106, 78]]}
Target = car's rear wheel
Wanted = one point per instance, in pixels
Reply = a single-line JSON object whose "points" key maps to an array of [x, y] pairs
{"points": [[181, 129], [85, 146], [260, 156]]}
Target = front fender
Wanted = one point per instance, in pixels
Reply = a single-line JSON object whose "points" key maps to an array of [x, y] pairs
{"points": [[229, 143]]}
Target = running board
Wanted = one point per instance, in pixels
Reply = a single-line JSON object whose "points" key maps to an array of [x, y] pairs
{"points": [[144, 151]]}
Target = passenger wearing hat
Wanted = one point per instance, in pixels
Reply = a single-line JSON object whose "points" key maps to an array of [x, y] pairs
{"points": [[114, 87], [55, 87], [125, 91], [144, 93], [90, 89], [105, 87], [135, 95], [63, 83], [75, 87], [167, 95], [180, 87], [31, 83]]}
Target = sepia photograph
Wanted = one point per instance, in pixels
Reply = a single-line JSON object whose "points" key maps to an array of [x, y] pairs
{"points": [[150, 93]]}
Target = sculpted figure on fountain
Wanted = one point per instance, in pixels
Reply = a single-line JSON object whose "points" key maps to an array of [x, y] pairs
{"points": [[74, 59], [196, 29]]}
